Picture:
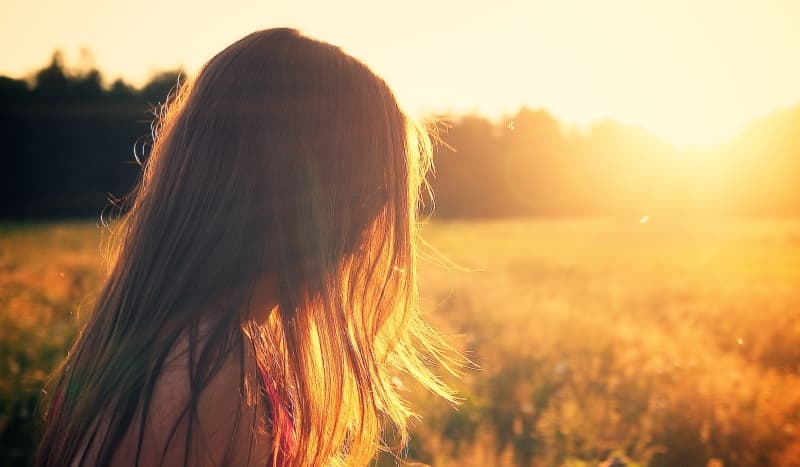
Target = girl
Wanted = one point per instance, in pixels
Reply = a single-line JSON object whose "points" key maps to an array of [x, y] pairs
{"points": [[263, 301]]}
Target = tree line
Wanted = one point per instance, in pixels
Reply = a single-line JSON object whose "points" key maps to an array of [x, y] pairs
{"points": [[530, 164], [70, 143]]}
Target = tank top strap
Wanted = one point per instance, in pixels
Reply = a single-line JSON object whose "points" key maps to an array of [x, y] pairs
{"points": [[280, 417]]}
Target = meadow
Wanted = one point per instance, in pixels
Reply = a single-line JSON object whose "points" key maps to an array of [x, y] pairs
{"points": [[656, 343]]}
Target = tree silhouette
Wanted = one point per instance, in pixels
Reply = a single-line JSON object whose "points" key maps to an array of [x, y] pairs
{"points": [[51, 83], [69, 142]]}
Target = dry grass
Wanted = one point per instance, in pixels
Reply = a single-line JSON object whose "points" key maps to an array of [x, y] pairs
{"points": [[47, 273], [673, 344], [666, 344]]}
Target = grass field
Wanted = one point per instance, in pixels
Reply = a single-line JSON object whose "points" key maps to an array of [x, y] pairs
{"points": [[661, 344]]}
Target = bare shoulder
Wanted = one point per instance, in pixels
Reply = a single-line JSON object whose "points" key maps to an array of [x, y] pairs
{"points": [[226, 427]]}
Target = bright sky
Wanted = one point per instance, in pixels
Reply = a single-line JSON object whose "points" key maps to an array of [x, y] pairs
{"points": [[692, 71]]}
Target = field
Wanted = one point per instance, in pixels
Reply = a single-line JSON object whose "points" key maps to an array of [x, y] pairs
{"points": [[657, 343]]}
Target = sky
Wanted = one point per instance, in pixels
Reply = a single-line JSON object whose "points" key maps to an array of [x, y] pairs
{"points": [[691, 71]]}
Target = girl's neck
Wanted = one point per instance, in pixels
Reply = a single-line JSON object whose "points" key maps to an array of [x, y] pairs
{"points": [[263, 300]]}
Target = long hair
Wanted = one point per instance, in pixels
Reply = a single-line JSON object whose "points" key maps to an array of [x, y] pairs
{"points": [[289, 159]]}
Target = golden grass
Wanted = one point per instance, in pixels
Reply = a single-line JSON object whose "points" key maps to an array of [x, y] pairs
{"points": [[668, 344], [663, 344]]}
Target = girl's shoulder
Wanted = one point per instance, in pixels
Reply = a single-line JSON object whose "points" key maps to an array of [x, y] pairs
{"points": [[214, 423]]}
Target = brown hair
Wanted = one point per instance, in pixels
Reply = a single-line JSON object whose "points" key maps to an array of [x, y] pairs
{"points": [[285, 158]]}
